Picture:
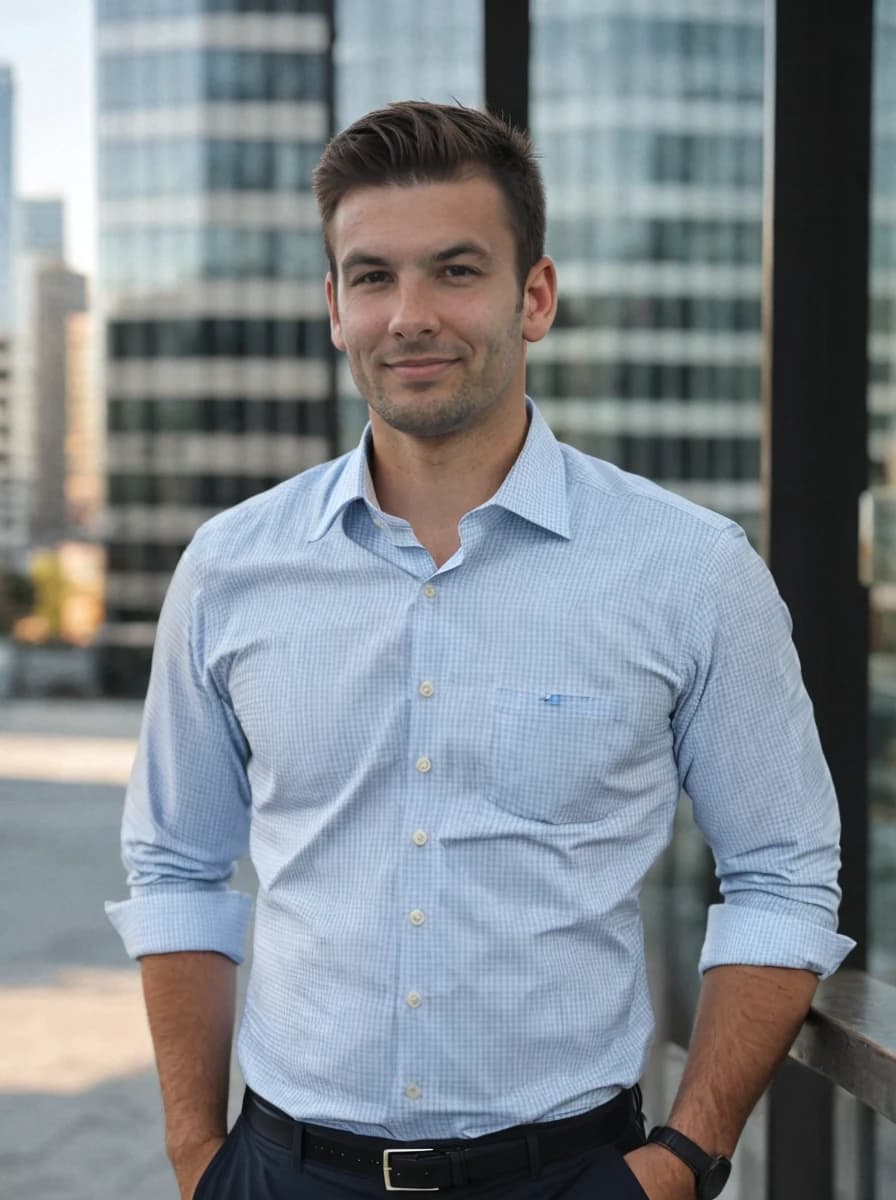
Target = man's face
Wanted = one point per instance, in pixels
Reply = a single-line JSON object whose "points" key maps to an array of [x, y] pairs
{"points": [[427, 304]]}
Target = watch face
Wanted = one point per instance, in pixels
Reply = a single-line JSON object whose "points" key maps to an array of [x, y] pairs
{"points": [[713, 1179]]}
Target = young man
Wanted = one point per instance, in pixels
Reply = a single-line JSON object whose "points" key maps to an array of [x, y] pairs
{"points": [[448, 688]]}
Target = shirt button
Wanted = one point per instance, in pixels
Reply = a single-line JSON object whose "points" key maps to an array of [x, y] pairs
{"points": [[416, 917], [429, 591], [414, 999], [412, 1092], [426, 688], [420, 838], [423, 765]]}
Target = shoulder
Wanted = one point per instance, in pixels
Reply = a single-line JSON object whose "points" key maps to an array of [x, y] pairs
{"points": [[269, 524], [602, 494]]}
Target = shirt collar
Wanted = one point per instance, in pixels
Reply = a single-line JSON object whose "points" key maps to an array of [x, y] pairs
{"points": [[534, 488]]}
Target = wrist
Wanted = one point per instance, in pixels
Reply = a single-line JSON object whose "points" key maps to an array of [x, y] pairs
{"points": [[661, 1174], [710, 1172], [185, 1150], [679, 1174]]}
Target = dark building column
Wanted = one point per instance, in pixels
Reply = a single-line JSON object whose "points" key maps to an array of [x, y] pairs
{"points": [[815, 458], [507, 59]]}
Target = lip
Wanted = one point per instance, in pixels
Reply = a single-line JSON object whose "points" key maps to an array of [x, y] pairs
{"points": [[412, 370]]}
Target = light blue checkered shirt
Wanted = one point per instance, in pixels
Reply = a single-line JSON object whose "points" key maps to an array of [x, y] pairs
{"points": [[452, 783]]}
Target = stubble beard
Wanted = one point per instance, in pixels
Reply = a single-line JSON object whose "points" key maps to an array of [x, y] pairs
{"points": [[462, 408]]}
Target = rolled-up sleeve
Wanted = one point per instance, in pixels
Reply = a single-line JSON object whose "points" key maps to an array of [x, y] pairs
{"points": [[750, 759], [187, 807]]}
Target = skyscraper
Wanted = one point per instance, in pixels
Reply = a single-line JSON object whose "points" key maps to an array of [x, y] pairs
{"points": [[211, 118], [41, 227], [650, 123], [46, 291], [58, 293], [7, 186], [13, 524]]}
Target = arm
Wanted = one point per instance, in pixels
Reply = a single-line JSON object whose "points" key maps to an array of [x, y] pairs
{"points": [[747, 1018], [190, 1002], [749, 757], [186, 823]]}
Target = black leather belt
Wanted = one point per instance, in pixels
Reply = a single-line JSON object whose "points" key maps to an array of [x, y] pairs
{"points": [[439, 1165]]}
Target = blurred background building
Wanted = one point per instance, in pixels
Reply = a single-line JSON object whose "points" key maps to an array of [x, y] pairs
{"points": [[41, 227], [217, 369], [650, 118], [12, 533], [47, 292], [56, 294], [7, 175]]}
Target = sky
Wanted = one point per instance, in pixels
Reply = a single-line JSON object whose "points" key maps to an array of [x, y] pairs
{"points": [[49, 44]]}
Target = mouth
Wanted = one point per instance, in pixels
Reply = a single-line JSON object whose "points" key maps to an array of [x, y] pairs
{"points": [[412, 370]]}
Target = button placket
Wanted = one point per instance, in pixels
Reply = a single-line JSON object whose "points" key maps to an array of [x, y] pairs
{"points": [[417, 971]]}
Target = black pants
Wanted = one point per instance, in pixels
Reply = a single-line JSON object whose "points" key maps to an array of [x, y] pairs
{"points": [[249, 1166]]}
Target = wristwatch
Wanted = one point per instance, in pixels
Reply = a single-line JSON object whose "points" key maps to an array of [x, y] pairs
{"points": [[711, 1171]]}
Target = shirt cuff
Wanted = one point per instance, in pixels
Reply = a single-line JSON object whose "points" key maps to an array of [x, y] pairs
{"points": [[183, 920], [755, 936]]}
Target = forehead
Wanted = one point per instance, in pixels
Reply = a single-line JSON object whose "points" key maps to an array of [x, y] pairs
{"points": [[412, 219]]}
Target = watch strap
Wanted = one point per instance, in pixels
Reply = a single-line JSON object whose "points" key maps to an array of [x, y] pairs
{"points": [[710, 1171], [682, 1147]]}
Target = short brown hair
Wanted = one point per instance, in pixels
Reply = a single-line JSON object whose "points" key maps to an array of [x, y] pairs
{"points": [[413, 141]]}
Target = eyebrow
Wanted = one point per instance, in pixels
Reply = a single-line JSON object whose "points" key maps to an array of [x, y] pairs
{"points": [[462, 248], [362, 258]]}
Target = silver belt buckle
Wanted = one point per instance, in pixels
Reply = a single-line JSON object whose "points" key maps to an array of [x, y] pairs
{"points": [[390, 1186]]}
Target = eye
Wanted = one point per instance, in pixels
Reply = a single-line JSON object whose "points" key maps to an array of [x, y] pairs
{"points": [[459, 271], [371, 277]]}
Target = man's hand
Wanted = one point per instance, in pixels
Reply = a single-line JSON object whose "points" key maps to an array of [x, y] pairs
{"points": [[190, 1163], [661, 1174]]}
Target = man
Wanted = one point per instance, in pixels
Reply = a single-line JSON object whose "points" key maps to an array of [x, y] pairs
{"points": [[448, 688]]}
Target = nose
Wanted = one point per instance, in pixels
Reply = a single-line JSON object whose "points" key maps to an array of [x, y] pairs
{"points": [[414, 314]]}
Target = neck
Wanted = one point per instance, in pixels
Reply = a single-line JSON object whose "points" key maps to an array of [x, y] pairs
{"points": [[432, 482]]}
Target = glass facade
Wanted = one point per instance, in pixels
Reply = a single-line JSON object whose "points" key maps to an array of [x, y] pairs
{"points": [[404, 50], [211, 414], [621, 54], [212, 337], [42, 227], [133, 10], [189, 209], [153, 256], [7, 95], [168, 78], [650, 129], [181, 166]]}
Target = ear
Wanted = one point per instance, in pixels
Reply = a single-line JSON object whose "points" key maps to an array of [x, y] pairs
{"points": [[539, 300], [333, 308]]}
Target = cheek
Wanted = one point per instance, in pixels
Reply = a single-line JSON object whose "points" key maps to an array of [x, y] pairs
{"points": [[360, 332]]}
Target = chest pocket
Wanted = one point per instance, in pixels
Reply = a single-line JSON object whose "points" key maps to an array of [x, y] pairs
{"points": [[554, 755]]}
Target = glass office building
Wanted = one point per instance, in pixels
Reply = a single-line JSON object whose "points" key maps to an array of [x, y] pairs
{"points": [[211, 118], [7, 100], [41, 227], [649, 119]]}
